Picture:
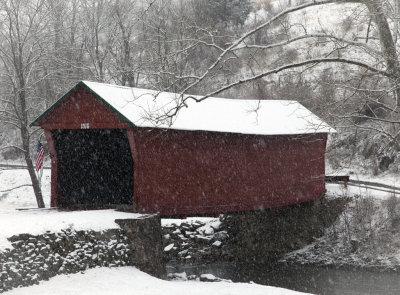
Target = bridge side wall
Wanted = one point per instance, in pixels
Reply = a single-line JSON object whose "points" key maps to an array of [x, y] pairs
{"points": [[192, 172]]}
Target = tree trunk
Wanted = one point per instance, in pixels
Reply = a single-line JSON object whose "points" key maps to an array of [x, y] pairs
{"points": [[388, 46], [25, 144], [32, 173], [396, 19]]}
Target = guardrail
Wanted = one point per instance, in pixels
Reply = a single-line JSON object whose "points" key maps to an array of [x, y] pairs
{"points": [[16, 166], [345, 180]]}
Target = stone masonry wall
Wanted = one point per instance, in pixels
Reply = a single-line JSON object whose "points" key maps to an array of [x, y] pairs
{"points": [[265, 236], [36, 258], [258, 236], [195, 242], [145, 243]]}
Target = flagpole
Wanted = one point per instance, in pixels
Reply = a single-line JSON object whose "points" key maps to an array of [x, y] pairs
{"points": [[40, 155], [40, 172]]}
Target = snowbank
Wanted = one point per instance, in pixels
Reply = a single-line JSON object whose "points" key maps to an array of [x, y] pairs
{"points": [[129, 280]]}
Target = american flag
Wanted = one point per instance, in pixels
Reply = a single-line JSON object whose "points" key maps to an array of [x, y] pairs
{"points": [[39, 156]]}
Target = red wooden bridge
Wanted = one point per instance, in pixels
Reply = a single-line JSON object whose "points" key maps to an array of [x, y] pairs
{"points": [[109, 145]]}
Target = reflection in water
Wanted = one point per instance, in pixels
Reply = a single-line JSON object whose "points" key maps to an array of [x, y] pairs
{"points": [[317, 280]]}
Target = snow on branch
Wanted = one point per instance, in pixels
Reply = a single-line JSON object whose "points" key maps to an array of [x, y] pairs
{"points": [[183, 98], [241, 40], [309, 36], [296, 65]]}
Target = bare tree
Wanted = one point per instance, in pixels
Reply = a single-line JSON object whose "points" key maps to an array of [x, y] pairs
{"points": [[371, 56], [127, 67], [21, 51], [99, 34]]}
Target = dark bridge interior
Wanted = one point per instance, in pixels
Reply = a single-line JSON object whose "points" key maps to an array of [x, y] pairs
{"points": [[95, 167]]}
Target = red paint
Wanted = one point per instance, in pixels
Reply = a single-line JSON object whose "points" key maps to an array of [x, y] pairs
{"points": [[80, 107], [195, 172], [189, 172]]}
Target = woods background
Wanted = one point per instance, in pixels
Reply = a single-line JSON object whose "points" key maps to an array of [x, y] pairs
{"points": [[337, 57]]}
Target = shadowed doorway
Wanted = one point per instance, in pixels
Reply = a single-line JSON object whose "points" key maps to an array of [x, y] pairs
{"points": [[95, 167]]}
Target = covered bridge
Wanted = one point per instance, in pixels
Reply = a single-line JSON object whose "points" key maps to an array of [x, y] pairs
{"points": [[111, 145]]}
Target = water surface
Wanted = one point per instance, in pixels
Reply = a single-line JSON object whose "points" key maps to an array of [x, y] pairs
{"points": [[312, 279]]}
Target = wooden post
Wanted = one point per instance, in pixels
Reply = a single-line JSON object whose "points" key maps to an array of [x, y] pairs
{"points": [[134, 152], [54, 166]]}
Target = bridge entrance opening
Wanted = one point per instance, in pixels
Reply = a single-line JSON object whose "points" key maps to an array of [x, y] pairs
{"points": [[95, 168]]}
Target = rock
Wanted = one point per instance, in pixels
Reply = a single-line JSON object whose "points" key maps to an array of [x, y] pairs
{"points": [[169, 247], [217, 244], [216, 225], [222, 235], [209, 231], [177, 276], [209, 278]]}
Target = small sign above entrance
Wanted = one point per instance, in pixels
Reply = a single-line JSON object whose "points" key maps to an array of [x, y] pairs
{"points": [[85, 126]]}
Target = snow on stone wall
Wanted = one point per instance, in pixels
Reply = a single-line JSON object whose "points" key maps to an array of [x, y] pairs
{"points": [[35, 258]]}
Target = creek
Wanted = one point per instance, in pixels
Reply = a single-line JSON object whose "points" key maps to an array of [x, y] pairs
{"points": [[312, 279]]}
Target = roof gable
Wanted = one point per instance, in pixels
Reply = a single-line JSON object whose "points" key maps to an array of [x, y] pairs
{"points": [[144, 108], [81, 106]]}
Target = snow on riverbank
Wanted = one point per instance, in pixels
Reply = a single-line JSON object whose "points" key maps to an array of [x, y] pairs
{"points": [[366, 234], [129, 280]]}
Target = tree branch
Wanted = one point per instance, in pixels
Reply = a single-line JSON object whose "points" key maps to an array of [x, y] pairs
{"points": [[8, 190], [309, 36], [296, 65]]}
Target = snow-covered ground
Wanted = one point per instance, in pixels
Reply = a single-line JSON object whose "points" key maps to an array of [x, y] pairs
{"points": [[355, 191], [129, 280], [391, 179], [356, 173], [122, 280], [16, 191], [16, 194]]}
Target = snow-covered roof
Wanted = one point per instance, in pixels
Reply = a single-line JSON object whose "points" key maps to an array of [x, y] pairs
{"points": [[148, 108]]}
